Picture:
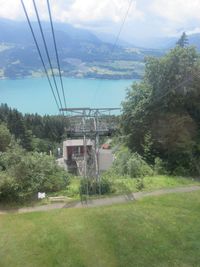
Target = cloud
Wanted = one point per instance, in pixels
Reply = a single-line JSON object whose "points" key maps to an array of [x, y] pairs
{"points": [[9, 9], [194, 30], [147, 18], [178, 11], [109, 10], [74, 11], [12, 9]]}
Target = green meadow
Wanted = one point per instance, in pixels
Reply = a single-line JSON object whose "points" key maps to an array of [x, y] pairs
{"points": [[156, 231]]}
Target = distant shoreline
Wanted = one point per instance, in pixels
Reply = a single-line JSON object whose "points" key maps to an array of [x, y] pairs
{"points": [[69, 77]]}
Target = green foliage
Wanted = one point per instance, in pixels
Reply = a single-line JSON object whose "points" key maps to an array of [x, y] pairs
{"points": [[73, 189], [27, 173], [132, 164], [34, 132], [159, 166], [156, 231], [183, 41], [161, 115], [9, 188], [126, 185], [120, 162], [5, 137], [91, 187], [137, 167], [139, 184]]}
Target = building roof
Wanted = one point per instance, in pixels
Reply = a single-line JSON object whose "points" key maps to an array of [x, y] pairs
{"points": [[105, 146], [77, 142]]}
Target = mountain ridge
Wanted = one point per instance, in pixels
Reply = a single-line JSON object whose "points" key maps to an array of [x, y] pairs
{"points": [[81, 53]]}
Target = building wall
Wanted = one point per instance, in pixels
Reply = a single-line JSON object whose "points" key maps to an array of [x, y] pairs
{"points": [[105, 159]]}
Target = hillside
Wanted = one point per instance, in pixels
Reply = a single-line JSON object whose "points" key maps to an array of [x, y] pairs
{"points": [[81, 52], [156, 231], [169, 42]]}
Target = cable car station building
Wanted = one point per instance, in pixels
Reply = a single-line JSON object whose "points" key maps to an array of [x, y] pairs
{"points": [[73, 156]]}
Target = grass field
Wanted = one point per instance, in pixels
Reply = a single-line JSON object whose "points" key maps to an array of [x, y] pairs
{"points": [[157, 231], [122, 185]]}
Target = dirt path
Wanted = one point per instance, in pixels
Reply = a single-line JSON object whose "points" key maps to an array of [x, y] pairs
{"points": [[104, 201]]}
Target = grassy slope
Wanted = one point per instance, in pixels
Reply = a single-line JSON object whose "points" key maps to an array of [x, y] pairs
{"points": [[158, 231], [152, 183], [121, 185]]}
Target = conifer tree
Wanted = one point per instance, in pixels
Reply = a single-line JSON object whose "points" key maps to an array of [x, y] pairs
{"points": [[183, 41]]}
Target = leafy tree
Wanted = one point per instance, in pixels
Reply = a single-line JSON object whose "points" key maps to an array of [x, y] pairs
{"points": [[161, 115], [26, 173], [5, 137], [132, 164]]}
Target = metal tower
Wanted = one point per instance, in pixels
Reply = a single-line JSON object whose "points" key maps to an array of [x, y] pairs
{"points": [[90, 123]]}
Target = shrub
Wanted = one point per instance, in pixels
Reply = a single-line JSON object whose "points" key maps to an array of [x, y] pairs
{"points": [[139, 184], [181, 171], [5, 137], [92, 187], [137, 167], [8, 188], [120, 162], [159, 166], [131, 164], [28, 173]]}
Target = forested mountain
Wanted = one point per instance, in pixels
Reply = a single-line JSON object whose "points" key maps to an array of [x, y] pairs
{"points": [[82, 54], [34, 132]]}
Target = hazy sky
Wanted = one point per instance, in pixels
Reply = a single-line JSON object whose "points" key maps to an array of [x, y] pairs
{"points": [[146, 18]]}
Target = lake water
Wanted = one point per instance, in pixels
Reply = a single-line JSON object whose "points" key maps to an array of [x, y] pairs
{"points": [[34, 95]]}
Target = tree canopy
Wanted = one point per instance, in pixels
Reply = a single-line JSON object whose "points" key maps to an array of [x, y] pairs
{"points": [[161, 115], [35, 132], [183, 41]]}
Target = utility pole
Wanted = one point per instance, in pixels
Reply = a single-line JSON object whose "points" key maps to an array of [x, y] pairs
{"points": [[85, 154], [96, 128], [86, 126]]}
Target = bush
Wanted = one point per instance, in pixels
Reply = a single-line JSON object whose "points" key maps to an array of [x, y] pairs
{"points": [[137, 167], [92, 187], [159, 166], [120, 162], [181, 171], [131, 164], [27, 173], [139, 184], [9, 188], [5, 137]]}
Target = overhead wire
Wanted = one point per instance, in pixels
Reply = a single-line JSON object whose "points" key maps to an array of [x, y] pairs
{"points": [[117, 39], [47, 51], [40, 54], [56, 51], [122, 26]]}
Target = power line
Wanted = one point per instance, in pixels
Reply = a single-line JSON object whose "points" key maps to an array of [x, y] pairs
{"points": [[47, 52], [56, 50], [39, 52], [122, 25], [117, 38]]}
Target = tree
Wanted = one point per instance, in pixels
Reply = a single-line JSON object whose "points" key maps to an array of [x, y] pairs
{"points": [[183, 41], [5, 138], [161, 115], [27, 128], [26, 173]]}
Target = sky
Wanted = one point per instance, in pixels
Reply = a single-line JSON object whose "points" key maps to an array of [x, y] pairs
{"points": [[146, 19]]}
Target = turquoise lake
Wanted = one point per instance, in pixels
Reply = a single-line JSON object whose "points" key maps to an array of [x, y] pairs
{"points": [[34, 95]]}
